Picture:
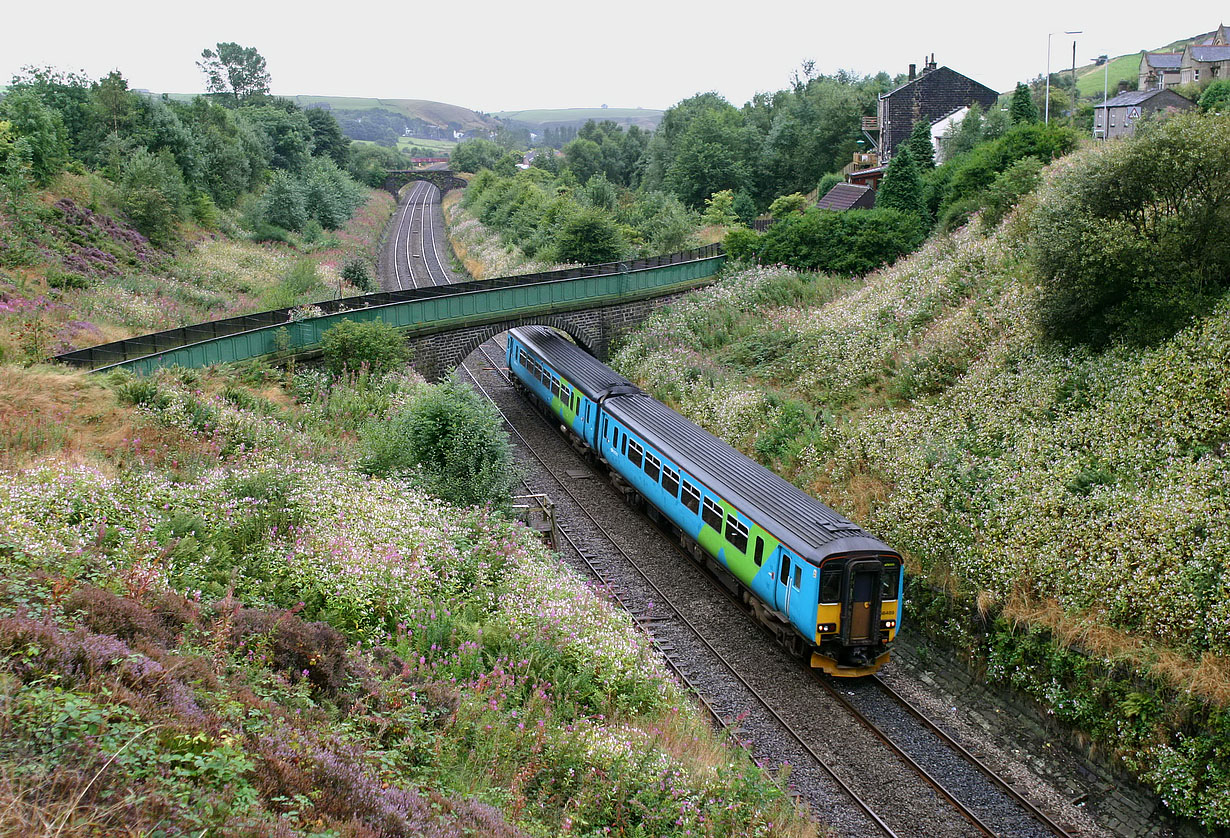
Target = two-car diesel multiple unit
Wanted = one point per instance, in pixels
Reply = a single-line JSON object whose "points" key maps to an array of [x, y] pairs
{"points": [[818, 580]]}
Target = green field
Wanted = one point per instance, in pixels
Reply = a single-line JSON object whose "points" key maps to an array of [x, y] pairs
{"points": [[1089, 79], [435, 113], [644, 117]]}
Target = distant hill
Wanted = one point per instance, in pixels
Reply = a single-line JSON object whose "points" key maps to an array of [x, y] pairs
{"points": [[576, 117], [1089, 79], [440, 114]]}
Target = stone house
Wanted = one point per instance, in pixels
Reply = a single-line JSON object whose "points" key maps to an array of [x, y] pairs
{"points": [[932, 95], [1159, 70], [1118, 116], [1206, 61]]}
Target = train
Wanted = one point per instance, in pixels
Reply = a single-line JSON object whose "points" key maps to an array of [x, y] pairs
{"points": [[818, 581]]}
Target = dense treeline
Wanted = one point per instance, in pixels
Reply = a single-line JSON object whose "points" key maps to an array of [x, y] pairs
{"points": [[277, 166], [554, 218], [776, 144]]}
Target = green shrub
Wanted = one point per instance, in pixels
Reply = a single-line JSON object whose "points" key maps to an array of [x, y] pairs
{"points": [[355, 345], [1009, 186], [854, 242], [448, 440], [741, 243], [1133, 238], [356, 273], [57, 278], [588, 238]]}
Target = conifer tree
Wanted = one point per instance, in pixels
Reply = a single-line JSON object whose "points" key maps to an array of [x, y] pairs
{"points": [[902, 187], [1023, 109], [921, 146]]}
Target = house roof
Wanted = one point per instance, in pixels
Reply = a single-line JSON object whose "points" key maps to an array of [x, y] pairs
{"points": [[861, 173], [843, 196], [1133, 97], [1164, 60], [1210, 53], [926, 73]]}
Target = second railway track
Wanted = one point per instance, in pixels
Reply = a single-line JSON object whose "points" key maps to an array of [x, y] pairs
{"points": [[416, 256], [727, 661]]}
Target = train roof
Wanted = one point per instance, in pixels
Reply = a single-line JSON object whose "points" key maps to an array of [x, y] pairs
{"points": [[582, 370], [803, 523], [800, 521]]}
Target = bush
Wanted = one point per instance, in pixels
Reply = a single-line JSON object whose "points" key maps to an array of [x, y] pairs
{"points": [[448, 440], [352, 345], [284, 202], [588, 238], [854, 242], [1133, 238], [1012, 184], [741, 243], [356, 273]]}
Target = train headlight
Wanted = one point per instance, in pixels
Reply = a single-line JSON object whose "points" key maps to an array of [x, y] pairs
{"points": [[888, 624], [826, 628]]}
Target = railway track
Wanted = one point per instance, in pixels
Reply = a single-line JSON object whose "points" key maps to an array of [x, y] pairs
{"points": [[772, 698], [416, 255]]}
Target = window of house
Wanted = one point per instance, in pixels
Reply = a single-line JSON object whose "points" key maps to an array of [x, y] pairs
{"points": [[712, 514], [691, 497], [670, 480], [653, 466], [736, 533]]}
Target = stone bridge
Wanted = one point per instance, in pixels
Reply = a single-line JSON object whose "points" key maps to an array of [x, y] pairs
{"points": [[435, 356], [442, 179]]}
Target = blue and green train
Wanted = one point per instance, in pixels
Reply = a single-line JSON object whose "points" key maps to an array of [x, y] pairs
{"points": [[819, 581]]}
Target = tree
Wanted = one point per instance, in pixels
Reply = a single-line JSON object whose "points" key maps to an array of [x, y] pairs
{"points": [[1133, 239], [234, 73], [720, 209], [1216, 97], [113, 98], [473, 155], [584, 157], [788, 205], [327, 137], [588, 238], [1022, 110], [287, 133], [902, 187], [41, 132], [921, 146]]}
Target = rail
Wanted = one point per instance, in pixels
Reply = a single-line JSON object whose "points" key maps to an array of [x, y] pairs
{"points": [[147, 352]]}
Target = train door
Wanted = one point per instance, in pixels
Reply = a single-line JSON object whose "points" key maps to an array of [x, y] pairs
{"points": [[861, 607], [782, 594]]}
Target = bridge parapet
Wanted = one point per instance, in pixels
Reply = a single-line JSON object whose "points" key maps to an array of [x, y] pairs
{"points": [[442, 179]]}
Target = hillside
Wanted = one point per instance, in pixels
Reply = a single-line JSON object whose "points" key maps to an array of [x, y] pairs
{"points": [[1064, 509], [1090, 78], [576, 117], [439, 114]]}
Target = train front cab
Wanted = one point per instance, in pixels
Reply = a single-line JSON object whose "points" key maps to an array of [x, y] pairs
{"points": [[858, 613]]}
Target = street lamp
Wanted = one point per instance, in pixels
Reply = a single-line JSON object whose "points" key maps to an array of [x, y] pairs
{"points": [[1048, 67]]}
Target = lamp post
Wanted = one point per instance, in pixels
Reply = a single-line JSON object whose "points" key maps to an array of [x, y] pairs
{"points": [[1048, 68]]}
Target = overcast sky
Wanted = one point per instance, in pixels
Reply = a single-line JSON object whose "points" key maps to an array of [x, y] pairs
{"points": [[508, 55]]}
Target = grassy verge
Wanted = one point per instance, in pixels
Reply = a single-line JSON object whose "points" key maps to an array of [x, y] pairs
{"points": [[212, 624], [481, 249]]}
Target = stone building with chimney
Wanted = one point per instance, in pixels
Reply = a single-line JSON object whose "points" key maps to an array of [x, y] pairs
{"points": [[932, 95]]}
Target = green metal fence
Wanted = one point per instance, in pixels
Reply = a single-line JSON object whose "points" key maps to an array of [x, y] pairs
{"points": [[434, 311]]}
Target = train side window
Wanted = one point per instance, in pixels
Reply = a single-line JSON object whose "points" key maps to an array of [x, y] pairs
{"points": [[653, 466], [623, 443], [830, 582], [670, 480], [889, 579], [783, 573], [634, 453], [759, 551], [736, 533], [798, 576], [712, 514], [691, 497]]}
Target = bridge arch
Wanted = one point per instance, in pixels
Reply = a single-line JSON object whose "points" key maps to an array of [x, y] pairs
{"points": [[443, 180], [437, 356]]}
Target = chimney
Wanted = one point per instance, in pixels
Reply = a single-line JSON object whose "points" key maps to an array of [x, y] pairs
{"points": [[912, 74]]}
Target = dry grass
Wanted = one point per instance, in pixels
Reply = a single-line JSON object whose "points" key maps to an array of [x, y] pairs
{"points": [[45, 411], [473, 266], [1207, 678]]}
